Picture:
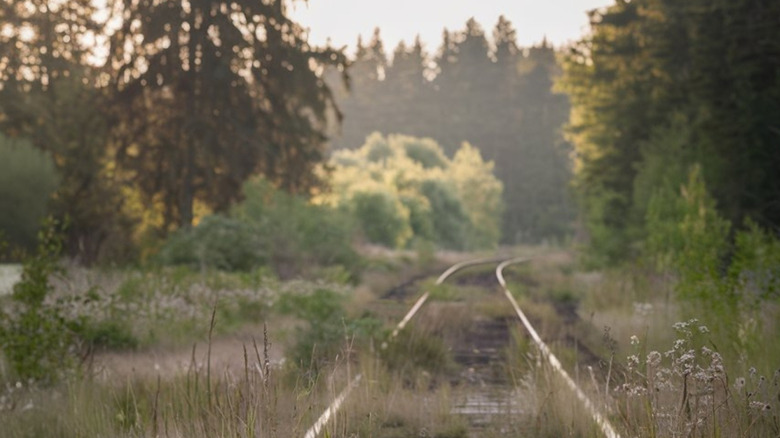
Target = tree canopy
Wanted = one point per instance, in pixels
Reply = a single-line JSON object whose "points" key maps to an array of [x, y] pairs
{"points": [[660, 86], [496, 96], [173, 107], [403, 189]]}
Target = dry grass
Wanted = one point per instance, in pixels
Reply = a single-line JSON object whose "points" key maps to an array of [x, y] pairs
{"points": [[683, 389]]}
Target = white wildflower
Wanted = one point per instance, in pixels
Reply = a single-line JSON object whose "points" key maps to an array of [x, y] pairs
{"points": [[757, 405], [653, 358], [703, 329], [634, 340], [739, 383]]}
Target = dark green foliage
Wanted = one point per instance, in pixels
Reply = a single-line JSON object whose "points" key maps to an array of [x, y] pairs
{"points": [[227, 89], [450, 222], [36, 339], [110, 335], [269, 228], [27, 181], [721, 284], [216, 242], [420, 219], [660, 86], [380, 218], [192, 99]]}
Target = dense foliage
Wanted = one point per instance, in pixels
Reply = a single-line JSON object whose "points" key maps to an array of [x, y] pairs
{"points": [[659, 86], [269, 228], [497, 97], [160, 107], [674, 126], [404, 189]]}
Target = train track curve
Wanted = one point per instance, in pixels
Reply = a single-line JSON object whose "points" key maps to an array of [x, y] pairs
{"points": [[502, 263]]}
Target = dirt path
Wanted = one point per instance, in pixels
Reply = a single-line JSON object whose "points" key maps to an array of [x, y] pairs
{"points": [[227, 356]]}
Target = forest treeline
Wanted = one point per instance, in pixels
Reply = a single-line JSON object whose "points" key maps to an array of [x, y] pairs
{"points": [[150, 115], [668, 95], [488, 92]]}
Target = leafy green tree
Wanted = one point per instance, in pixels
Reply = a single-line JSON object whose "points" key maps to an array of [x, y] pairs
{"points": [[650, 66], [500, 100], [480, 193], [210, 92], [403, 189]]}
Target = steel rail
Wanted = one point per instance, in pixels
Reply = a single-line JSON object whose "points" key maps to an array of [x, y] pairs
{"points": [[322, 421], [598, 418], [444, 276]]}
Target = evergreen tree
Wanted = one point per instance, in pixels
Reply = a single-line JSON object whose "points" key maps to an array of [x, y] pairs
{"points": [[215, 92], [653, 72]]}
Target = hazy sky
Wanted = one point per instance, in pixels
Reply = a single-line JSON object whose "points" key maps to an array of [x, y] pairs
{"points": [[343, 20]]}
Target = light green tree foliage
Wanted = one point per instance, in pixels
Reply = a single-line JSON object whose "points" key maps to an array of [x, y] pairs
{"points": [[27, 181], [402, 188], [480, 193]]}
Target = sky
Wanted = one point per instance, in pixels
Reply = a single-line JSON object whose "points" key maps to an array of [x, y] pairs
{"points": [[561, 21]]}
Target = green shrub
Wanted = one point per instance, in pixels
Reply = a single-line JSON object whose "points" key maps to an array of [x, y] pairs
{"points": [[328, 328], [35, 337], [294, 232], [110, 335], [450, 223], [382, 218], [420, 216], [404, 189], [216, 242]]}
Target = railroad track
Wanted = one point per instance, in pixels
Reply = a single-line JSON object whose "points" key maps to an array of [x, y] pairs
{"points": [[482, 390]]}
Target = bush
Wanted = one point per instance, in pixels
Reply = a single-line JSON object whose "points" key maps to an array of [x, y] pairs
{"points": [[403, 189], [35, 337], [450, 223], [111, 335], [216, 242], [269, 228], [328, 328], [382, 218], [295, 232]]}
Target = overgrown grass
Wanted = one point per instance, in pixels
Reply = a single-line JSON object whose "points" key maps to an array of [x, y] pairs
{"points": [[252, 400], [329, 332]]}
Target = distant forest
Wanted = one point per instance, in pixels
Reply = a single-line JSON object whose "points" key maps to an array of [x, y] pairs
{"points": [[499, 97]]}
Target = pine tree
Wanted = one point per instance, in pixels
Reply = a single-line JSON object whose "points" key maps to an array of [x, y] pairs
{"points": [[217, 91]]}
